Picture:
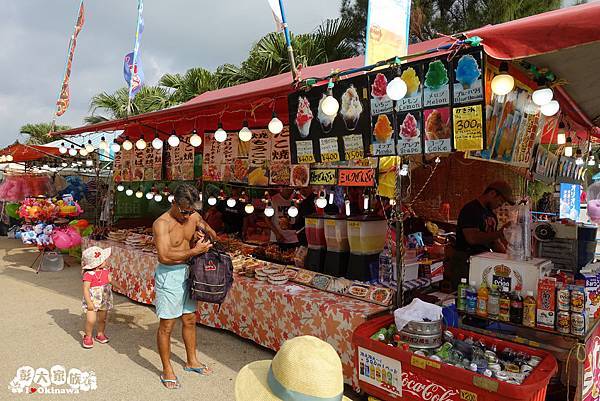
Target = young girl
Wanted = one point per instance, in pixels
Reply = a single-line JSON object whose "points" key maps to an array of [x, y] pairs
{"points": [[97, 293]]}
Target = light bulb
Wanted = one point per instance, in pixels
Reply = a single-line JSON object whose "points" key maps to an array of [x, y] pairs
{"points": [[173, 141], [2, 159], [275, 125], [129, 192], [366, 203], [220, 134], [245, 133], [269, 211], [103, 144], [89, 147], [404, 170], [9, 158], [150, 195], [127, 145], [63, 164], [396, 89], [170, 198], [330, 105], [158, 198], [438, 160], [321, 202], [347, 202], [231, 202], [195, 139], [392, 202], [83, 152], [249, 208], [579, 161], [331, 198], [212, 201], [89, 163], [140, 144], [503, 83], [45, 167], [591, 161], [53, 169], [561, 138], [139, 194], [62, 149], [293, 211], [157, 143], [72, 151], [542, 96], [568, 151], [550, 108], [115, 147]]}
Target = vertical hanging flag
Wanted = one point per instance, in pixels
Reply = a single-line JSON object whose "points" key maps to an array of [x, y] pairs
{"points": [[132, 65], [64, 97], [388, 23], [276, 9]]}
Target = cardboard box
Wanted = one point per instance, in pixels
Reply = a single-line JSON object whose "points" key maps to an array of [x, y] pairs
{"points": [[510, 275], [546, 303]]}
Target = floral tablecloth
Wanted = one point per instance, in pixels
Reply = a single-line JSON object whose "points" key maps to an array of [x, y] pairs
{"points": [[269, 315], [132, 270], [262, 312]]}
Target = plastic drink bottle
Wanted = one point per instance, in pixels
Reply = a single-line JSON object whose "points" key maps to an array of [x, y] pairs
{"points": [[461, 298], [471, 298], [482, 300]]}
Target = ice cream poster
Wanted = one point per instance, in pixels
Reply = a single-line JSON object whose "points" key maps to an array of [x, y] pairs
{"points": [[355, 111], [468, 78], [382, 142], [380, 102], [468, 127], [436, 83], [412, 75], [437, 130], [409, 133]]}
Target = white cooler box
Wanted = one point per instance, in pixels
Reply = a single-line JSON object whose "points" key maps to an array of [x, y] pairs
{"points": [[508, 274]]}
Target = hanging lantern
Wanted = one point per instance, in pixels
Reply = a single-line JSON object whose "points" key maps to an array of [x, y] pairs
{"points": [[72, 151], [330, 105], [103, 144], [89, 147], [245, 133], [503, 83], [231, 202], [62, 149], [115, 147], [157, 143], [140, 143], [396, 89], [127, 145], [212, 201], [220, 134], [569, 147], [561, 137], [249, 208], [550, 108], [275, 125], [195, 139], [543, 94], [173, 140]]}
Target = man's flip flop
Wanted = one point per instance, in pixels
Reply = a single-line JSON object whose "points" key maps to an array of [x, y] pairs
{"points": [[165, 381], [203, 370]]}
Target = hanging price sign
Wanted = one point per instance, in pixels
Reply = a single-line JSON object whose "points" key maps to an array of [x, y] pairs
{"points": [[357, 177], [353, 147], [468, 128], [329, 150], [319, 176], [305, 152]]}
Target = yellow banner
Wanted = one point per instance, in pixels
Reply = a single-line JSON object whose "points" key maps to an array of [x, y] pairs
{"points": [[468, 128], [388, 23]]}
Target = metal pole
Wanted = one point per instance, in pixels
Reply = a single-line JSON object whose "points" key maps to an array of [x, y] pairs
{"points": [[288, 41]]}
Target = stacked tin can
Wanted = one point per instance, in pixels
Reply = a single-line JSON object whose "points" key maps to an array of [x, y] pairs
{"points": [[570, 317]]}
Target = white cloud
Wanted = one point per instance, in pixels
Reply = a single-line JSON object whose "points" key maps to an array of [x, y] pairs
{"points": [[179, 34]]}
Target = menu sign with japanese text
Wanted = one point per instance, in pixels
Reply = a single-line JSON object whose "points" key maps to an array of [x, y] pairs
{"points": [[181, 161], [356, 177], [468, 127], [329, 150], [410, 125], [468, 77], [354, 147], [320, 176]]}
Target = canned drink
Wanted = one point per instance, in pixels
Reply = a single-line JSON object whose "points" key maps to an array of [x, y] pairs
{"points": [[435, 358], [491, 357], [487, 373], [473, 367], [420, 353], [502, 376], [526, 368], [563, 297], [512, 368], [534, 361], [495, 367], [577, 324], [563, 322], [577, 300]]}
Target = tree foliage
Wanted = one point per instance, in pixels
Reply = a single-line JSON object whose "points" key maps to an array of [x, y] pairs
{"points": [[38, 133]]}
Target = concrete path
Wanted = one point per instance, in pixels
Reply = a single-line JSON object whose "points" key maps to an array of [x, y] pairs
{"points": [[41, 325]]}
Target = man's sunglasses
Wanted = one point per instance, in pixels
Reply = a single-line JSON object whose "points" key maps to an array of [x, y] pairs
{"points": [[186, 212]]}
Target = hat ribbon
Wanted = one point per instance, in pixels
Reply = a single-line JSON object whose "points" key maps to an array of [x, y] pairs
{"points": [[280, 391]]}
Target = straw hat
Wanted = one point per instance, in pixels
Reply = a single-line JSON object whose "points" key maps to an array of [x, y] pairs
{"points": [[304, 369], [93, 257]]}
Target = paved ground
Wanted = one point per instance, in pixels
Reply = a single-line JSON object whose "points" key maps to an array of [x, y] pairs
{"points": [[41, 326]]}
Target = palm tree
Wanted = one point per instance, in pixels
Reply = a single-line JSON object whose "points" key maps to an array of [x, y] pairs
{"points": [[189, 85], [38, 133], [114, 105]]}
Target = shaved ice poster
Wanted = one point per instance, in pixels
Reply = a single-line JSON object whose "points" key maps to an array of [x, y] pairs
{"points": [[437, 130], [412, 75], [410, 127], [468, 77], [436, 83], [382, 142], [380, 102], [309, 123]]}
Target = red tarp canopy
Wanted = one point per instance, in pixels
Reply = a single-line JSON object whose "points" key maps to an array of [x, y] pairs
{"points": [[27, 153], [541, 34]]}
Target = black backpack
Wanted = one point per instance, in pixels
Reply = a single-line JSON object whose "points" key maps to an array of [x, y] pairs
{"points": [[211, 276]]}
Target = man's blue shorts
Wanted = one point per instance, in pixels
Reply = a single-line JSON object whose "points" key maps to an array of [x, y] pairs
{"points": [[172, 291]]}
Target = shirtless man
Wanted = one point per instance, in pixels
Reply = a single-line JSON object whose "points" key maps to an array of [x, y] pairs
{"points": [[177, 238]]}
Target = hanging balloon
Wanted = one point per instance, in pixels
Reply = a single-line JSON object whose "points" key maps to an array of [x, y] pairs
{"points": [[12, 210]]}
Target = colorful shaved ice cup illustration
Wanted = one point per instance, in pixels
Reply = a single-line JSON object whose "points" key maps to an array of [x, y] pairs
{"points": [[383, 129], [351, 108], [437, 75], [304, 116], [435, 127], [409, 129], [467, 71], [325, 120], [412, 81], [379, 87]]}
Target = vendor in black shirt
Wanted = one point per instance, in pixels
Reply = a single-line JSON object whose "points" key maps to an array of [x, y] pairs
{"points": [[233, 217], [477, 229]]}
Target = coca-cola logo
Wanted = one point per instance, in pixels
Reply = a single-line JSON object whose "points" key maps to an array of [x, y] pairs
{"points": [[425, 389]]}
